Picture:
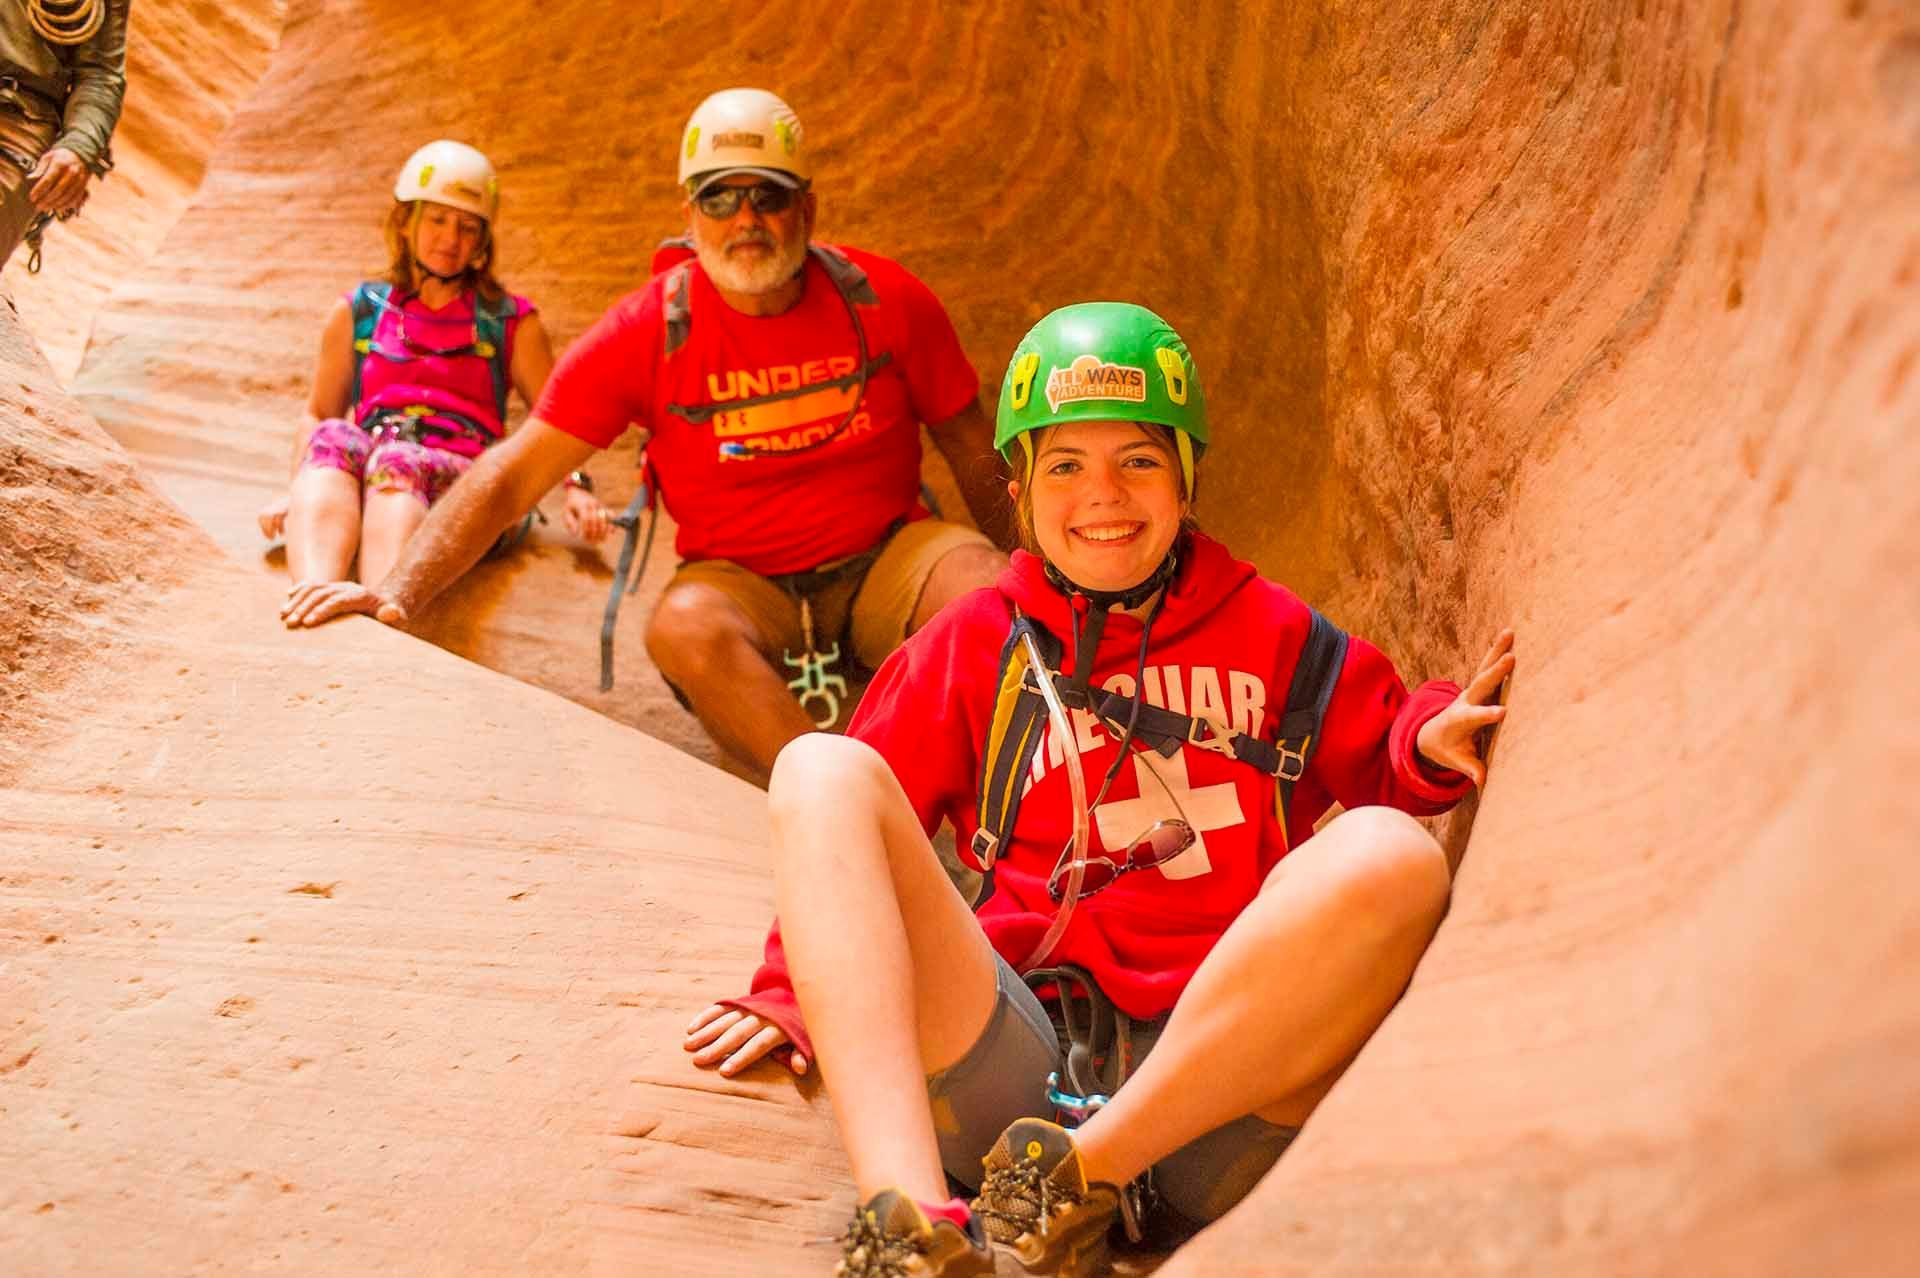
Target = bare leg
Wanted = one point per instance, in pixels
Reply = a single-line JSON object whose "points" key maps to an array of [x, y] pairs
{"points": [[961, 569], [1295, 987], [709, 649], [323, 524], [894, 976], [390, 518]]}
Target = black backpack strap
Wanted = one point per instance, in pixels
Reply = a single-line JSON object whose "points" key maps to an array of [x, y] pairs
{"points": [[1019, 721], [1315, 674]]}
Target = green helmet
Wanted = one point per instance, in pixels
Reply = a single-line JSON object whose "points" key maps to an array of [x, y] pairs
{"points": [[1101, 362]]}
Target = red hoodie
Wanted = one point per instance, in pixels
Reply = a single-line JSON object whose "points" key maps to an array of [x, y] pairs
{"points": [[1224, 645]]}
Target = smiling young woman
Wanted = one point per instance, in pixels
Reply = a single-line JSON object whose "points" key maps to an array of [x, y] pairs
{"points": [[1173, 895]]}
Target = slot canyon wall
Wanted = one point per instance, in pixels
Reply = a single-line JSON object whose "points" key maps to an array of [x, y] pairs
{"points": [[1599, 321]]}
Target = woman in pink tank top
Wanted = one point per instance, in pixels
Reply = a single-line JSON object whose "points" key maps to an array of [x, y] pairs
{"points": [[412, 379]]}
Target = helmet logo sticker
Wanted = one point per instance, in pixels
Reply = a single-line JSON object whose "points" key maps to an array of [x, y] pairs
{"points": [[426, 175], [693, 140], [1174, 369], [1020, 388], [740, 138], [785, 132], [465, 190], [1090, 377]]}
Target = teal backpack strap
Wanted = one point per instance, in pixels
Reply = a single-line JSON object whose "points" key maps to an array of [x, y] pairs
{"points": [[1314, 676], [1019, 721], [490, 335], [367, 302]]}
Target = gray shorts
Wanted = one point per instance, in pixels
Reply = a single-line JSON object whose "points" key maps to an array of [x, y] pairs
{"points": [[1003, 1077]]}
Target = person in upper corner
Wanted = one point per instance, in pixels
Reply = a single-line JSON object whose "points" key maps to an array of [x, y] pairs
{"points": [[782, 384], [62, 79], [1133, 734], [411, 382]]}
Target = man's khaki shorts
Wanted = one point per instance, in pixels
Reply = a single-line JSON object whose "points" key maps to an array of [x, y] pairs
{"points": [[873, 611]]}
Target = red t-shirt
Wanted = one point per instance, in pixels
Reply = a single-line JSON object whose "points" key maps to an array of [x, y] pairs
{"points": [[771, 513]]}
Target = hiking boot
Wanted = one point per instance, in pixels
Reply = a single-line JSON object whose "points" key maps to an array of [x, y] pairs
{"points": [[891, 1237], [1036, 1202]]}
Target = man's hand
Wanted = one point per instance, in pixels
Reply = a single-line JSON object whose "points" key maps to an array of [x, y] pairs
{"points": [[311, 602], [1447, 739], [59, 182], [273, 517], [585, 517], [730, 1040]]}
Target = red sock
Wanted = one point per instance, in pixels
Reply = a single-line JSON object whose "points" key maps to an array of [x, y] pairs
{"points": [[954, 1210]]}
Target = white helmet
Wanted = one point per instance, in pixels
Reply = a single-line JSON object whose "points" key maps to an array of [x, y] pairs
{"points": [[450, 173], [744, 131]]}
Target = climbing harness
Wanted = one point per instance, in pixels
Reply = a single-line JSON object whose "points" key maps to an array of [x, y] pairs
{"points": [[1097, 1044], [66, 22]]}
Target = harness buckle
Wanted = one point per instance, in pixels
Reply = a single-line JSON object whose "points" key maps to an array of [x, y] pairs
{"points": [[1293, 759], [986, 847], [1217, 739]]}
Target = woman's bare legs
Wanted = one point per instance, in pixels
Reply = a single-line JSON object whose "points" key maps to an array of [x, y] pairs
{"points": [[392, 516], [1298, 983], [886, 1003], [323, 524]]}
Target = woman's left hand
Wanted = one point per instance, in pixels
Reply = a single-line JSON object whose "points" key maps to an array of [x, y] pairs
{"points": [[1448, 740], [728, 1039], [585, 517]]}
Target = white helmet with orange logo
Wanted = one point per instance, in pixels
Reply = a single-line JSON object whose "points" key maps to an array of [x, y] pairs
{"points": [[743, 131], [450, 173]]}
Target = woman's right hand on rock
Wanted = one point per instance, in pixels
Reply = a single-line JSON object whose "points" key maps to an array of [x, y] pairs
{"points": [[273, 517], [728, 1039], [311, 602]]}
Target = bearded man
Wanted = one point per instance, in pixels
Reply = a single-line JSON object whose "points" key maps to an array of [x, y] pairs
{"points": [[781, 385]]}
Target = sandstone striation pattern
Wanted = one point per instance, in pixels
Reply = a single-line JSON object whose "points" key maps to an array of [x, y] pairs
{"points": [[336, 954]]}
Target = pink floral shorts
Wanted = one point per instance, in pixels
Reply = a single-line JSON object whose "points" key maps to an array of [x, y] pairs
{"points": [[384, 465]]}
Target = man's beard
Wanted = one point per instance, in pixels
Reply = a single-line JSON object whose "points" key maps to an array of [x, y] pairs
{"points": [[753, 276]]}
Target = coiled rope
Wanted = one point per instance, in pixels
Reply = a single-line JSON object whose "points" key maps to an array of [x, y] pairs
{"points": [[66, 21]]}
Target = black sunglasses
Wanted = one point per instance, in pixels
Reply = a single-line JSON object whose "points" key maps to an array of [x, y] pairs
{"points": [[721, 202]]}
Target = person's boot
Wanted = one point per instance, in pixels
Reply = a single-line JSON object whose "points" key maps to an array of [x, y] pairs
{"points": [[1036, 1202], [891, 1237]]}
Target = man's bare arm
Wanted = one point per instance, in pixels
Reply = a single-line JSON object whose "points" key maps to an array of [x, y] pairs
{"points": [[966, 441]]}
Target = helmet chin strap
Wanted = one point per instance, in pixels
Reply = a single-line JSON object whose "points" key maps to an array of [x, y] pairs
{"points": [[1132, 596], [428, 271], [1087, 630]]}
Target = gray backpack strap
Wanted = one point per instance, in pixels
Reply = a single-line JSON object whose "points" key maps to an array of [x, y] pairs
{"points": [[677, 306], [849, 279]]}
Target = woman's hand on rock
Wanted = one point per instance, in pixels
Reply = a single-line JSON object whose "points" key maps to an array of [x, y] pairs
{"points": [[273, 517], [728, 1039], [585, 517], [1449, 739], [311, 602]]}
